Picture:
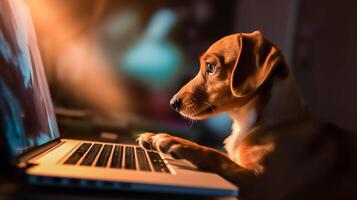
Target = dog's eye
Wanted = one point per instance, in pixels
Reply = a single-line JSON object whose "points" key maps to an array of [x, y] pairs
{"points": [[209, 67]]}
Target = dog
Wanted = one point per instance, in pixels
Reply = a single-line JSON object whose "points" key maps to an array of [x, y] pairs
{"points": [[277, 148]]}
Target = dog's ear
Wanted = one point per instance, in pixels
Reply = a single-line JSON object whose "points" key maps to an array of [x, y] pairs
{"points": [[256, 59]]}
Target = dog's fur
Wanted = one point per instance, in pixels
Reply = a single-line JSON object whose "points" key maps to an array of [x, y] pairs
{"points": [[277, 149]]}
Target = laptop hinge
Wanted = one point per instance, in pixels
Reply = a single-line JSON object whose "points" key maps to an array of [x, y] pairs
{"points": [[22, 161]]}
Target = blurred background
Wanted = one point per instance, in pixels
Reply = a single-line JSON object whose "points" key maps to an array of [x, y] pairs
{"points": [[113, 65]]}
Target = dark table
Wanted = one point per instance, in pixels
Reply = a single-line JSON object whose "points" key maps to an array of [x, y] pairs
{"points": [[16, 190]]}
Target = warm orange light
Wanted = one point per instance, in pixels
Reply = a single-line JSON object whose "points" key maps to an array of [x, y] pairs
{"points": [[79, 65]]}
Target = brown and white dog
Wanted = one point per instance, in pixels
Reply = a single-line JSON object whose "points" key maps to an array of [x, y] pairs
{"points": [[277, 149]]}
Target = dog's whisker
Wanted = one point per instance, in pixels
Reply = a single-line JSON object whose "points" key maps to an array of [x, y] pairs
{"points": [[191, 123], [194, 109]]}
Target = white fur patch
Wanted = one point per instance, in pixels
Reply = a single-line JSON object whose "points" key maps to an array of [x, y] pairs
{"points": [[243, 120]]}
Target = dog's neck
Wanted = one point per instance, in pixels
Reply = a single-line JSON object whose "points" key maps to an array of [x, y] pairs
{"points": [[244, 119], [282, 103]]}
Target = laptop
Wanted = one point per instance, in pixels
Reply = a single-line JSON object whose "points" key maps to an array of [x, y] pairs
{"points": [[33, 142]]}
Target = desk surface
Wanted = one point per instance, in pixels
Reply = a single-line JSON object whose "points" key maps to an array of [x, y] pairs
{"points": [[20, 191]]}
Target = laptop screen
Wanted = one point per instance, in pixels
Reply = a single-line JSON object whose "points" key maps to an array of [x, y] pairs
{"points": [[27, 118]]}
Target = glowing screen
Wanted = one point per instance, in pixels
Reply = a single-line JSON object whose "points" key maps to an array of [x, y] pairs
{"points": [[27, 119]]}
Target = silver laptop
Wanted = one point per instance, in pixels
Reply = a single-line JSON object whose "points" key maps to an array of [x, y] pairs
{"points": [[29, 128]]}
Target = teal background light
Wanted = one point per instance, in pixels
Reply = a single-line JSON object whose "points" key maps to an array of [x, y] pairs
{"points": [[153, 59], [220, 125]]}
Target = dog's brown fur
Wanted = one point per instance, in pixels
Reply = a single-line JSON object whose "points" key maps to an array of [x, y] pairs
{"points": [[277, 149]]}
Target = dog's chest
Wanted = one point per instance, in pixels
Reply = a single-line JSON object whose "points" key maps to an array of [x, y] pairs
{"points": [[247, 155], [244, 154], [243, 120], [233, 140]]}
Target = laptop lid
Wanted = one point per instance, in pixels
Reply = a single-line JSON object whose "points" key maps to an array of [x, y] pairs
{"points": [[27, 119]]}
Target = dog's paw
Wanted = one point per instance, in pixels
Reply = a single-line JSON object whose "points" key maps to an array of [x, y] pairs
{"points": [[203, 157], [144, 140], [177, 147]]}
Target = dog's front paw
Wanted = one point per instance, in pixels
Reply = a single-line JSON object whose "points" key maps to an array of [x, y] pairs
{"points": [[203, 157], [165, 143], [145, 140]]}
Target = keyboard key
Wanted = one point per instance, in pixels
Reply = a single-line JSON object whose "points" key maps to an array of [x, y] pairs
{"points": [[78, 154], [117, 157], [104, 156], [157, 162], [129, 158], [92, 154], [142, 159]]}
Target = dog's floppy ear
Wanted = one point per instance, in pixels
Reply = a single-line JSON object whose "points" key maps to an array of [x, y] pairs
{"points": [[256, 59]]}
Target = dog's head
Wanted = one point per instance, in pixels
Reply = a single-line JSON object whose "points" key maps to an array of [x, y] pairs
{"points": [[231, 72]]}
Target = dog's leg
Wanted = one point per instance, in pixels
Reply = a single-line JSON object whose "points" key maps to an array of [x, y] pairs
{"points": [[204, 158], [201, 156]]}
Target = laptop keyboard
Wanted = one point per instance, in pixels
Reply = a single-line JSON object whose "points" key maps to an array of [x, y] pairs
{"points": [[89, 158], [157, 162], [78, 154], [144, 162], [117, 156], [129, 158], [104, 156]]}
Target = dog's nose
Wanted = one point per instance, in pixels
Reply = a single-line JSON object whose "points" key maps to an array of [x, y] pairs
{"points": [[175, 103]]}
